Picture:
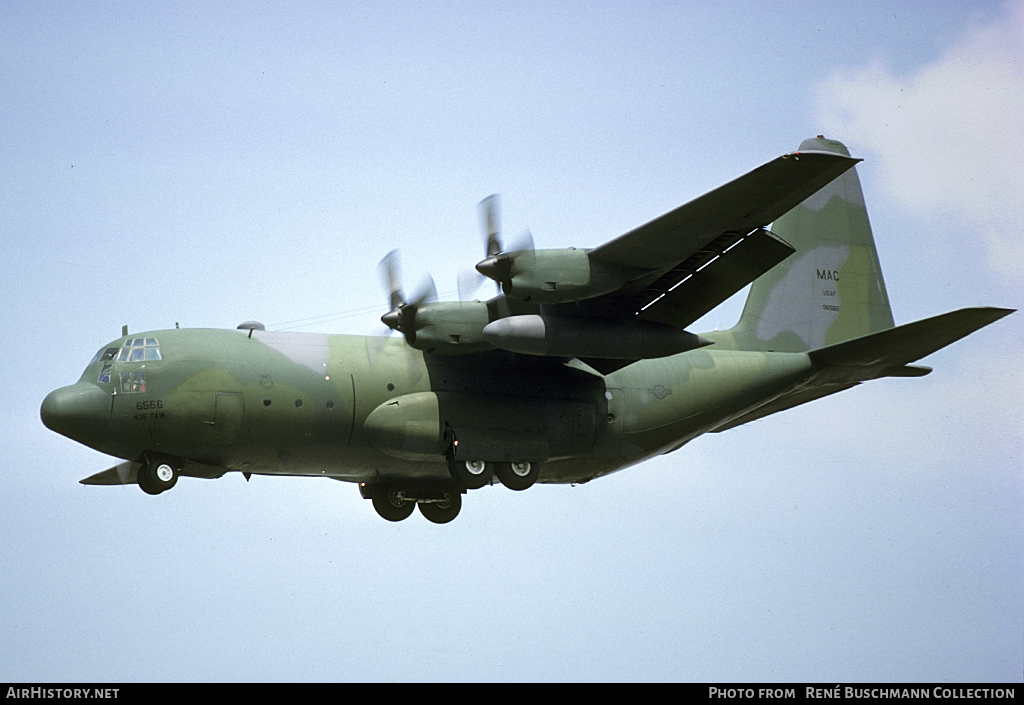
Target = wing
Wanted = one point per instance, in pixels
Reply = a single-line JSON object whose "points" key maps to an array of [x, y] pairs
{"points": [[703, 252], [632, 297], [751, 201]]}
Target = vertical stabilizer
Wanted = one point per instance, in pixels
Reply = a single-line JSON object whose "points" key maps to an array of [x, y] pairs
{"points": [[831, 289]]}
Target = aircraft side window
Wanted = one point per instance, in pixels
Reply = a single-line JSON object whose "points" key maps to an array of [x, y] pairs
{"points": [[132, 382], [104, 354], [105, 373]]}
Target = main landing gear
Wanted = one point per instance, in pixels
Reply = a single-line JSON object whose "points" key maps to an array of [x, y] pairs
{"points": [[158, 474], [517, 476], [439, 505], [442, 503], [473, 474]]}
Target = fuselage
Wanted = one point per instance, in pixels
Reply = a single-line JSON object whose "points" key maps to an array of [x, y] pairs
{"points": [[368, 409]]}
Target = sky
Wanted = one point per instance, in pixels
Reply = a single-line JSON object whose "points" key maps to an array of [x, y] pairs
{"points": [[214, 162]]}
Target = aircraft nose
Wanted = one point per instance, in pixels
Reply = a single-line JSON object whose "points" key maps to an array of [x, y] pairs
{"points": [[79, 411]]}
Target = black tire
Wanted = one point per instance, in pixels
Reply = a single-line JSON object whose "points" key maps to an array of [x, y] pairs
{"points": [[158, 475], [390, 507], [442, 512], [471, 474], [144, 481], [518, 476]]}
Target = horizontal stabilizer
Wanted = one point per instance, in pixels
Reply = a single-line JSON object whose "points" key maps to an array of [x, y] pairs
{"points": [[899, 346], [883, 354]]}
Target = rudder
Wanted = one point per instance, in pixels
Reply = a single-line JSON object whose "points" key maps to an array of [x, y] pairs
{"points": [[831, 289]]}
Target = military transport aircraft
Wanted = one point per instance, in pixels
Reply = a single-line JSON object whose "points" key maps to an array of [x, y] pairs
{"points": [[581, 366]]}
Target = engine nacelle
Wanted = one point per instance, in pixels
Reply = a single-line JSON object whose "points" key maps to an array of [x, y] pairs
{"points": [[449, 327], [613, 339], [552, 276]]}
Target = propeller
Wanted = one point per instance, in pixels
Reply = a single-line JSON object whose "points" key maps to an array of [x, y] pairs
{"points": [[390, 278], [492, 227], [402, 316], [497, 265]]}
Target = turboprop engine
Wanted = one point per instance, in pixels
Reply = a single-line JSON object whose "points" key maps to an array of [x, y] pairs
{"points": [[441, 327], [551, 276], [449, 328]]}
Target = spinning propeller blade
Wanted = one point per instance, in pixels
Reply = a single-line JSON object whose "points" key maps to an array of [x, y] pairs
{"points": [[402, 315]]}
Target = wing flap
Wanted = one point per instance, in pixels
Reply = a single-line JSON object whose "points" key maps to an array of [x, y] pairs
{"points": [[751, 201], [699, 286]]}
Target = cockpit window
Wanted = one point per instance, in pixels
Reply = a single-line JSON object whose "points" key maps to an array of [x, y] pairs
{"points": [[139, 349], [132, 350], [104, 354]]}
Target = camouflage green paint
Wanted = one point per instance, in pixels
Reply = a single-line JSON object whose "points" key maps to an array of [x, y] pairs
{"points": [[832, 288], [298, 404], [388, 411]]}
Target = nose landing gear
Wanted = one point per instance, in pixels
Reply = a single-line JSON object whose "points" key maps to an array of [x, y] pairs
{"points": [[158, 474]]}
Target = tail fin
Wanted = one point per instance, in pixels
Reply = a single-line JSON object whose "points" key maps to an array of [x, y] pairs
{"points": [[831, 289]]}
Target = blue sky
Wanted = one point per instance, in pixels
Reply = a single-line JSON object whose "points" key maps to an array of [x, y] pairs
{"points": [[210, 163]]}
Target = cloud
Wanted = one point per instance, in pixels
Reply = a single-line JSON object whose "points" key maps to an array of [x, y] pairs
{"points": [[947, 134]]}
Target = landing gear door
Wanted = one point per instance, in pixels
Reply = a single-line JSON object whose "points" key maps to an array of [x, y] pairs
{"points": [[227, 422]]}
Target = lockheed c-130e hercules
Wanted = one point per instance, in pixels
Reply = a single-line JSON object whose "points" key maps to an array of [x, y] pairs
{"points": [[579, 367]]}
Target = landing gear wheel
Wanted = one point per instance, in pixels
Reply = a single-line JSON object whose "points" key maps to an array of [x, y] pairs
{"points": [[517, 476], [471, 474], [390, 505], [444, 511], [158, 475]]}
